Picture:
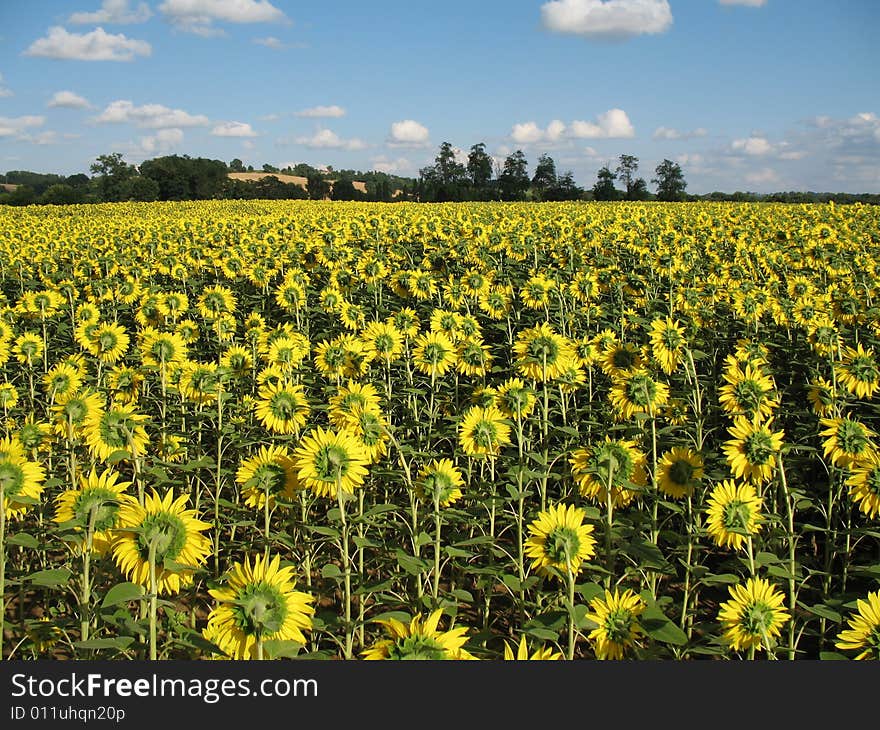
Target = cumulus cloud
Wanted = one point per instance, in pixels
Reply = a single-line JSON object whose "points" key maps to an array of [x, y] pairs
{"points": [[613, 124], [233, 129], [754, 146], [97, 45], [398, 166], [155, 116], [763, 176], [162, 142], [68, 100], [328, 139], [271, 42], [199, 16], [408, 133], [10, 126], [607, 19], [670, 133], [116, 12], [43, 138], [317, 112]]}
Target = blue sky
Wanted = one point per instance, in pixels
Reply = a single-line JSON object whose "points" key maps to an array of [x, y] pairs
{"points": [[758, 95]]}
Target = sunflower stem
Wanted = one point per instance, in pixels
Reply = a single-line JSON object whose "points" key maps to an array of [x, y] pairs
{"points": [[2, 564], [792, 561], [571, 616], [609, 519], [86, 594], [154, 598], [346, 568]]}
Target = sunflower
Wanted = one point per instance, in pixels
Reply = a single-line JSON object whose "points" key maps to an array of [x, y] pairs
{"points": [[440, 480], [198, 382], [621, 358], [162, 349], [71, 413], [118, 429], [859, 372], [8, 396], [864, 485], [474, 358], [483, 431], [522, 652], [326, 460], [95, 504], [282, 407], [332, 356], [617, 623], [559, 541], [173, 532], [271, 471], [679, 471], [535, 293], [258, 603], [237, 360], [382, 341], [751, 453], [406, 321], [733, 514], [667, 342], [617, 461], [18, 478], [108, 342], [864, 628], [288, 351], [434, 354], [515, 399], [216, 300], [371, 428], [61, 380], [419, 639], [823, 337], [637, 392], [847, 441], [28, 348], [496, 302], [748, 392], [351, 396], [542, 354], [445, 321], [821, 395], [752, 619]]}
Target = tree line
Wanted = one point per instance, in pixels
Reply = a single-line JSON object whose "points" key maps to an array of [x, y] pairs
{"points": [[451, 177]]}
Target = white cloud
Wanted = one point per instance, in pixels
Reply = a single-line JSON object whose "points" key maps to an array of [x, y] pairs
{"points": [[198, 16], [14, 125], [590, 152], [162, 142], [754, 146], [154, 116], [233, 129], [271, 42], [270, 118], [607, 18], [4, 92], [98, 45], [116, 12], [670, 133], [408, 133], [327, 139], [396, 166], [68, 100], [762, 177], [318, 112], [43, 138], [526, 133], [613, 124], [747, 3], [694, 158]]}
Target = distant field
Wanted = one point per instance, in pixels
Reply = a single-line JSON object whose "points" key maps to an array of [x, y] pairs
{"points": [[295, 179]]}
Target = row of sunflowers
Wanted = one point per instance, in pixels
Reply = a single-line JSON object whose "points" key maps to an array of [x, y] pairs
{"points": [[264, 430]]}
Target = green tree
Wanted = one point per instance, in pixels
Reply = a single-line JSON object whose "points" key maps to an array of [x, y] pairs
{"points": [[344, 189], [142, 189], [565, 188], [604, 188], [60, 194], [111, 172], [670, 181], [627, 167], [236, 166], [479, 166], [318, 188], [545, 176], [514, 178], [638, 190]]}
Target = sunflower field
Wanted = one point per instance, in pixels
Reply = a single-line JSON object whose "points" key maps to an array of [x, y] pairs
{"points": [[264, 430]]}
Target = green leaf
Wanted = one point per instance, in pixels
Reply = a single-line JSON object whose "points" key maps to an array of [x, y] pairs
{"points": [[331, 571], [832, 656], [658, 626], [122, 593], [823, 611], [50, 578], [410, 563], [276, 649], [724, 578], [24, 540], [120, 642], [118, 455]]}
